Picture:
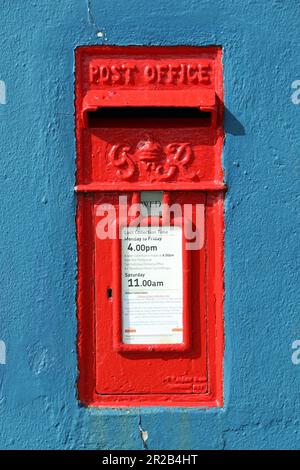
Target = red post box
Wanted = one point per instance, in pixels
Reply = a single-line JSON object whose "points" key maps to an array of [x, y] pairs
{"points": [[149, 129]]}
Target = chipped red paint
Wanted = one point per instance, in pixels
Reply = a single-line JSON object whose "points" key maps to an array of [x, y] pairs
{"points": [[123, 157]]}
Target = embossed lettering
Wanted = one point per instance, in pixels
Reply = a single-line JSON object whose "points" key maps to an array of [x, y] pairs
{"points": [[162, 74], [150, 73], [152, 160], [112, 75]]}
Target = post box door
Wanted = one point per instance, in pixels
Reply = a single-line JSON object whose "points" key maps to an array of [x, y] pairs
{"points": [[145, 371]]}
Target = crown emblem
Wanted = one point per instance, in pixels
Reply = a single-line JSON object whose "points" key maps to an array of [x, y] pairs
{"points": [[149, 150]]}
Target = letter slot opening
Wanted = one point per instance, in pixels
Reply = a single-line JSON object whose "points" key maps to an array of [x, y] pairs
{"points": [[148, 116]]}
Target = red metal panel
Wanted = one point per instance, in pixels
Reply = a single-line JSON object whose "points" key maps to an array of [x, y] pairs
{"points": [[120, 155], [167, 369]]}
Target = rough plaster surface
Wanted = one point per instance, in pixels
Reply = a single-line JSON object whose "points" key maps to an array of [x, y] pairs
{"points": [[38, 405]]}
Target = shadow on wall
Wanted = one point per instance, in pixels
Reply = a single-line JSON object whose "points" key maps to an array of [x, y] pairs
{"points": [[231, 124]]}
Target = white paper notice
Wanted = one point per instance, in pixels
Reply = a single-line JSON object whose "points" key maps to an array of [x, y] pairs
{"points": [[152, 291]]}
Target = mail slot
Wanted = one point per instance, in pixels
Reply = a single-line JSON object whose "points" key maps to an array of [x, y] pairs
{"points": [[150, 191]]}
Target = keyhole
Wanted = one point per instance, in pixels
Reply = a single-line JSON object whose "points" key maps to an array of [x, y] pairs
{"points": [[109, 293]]}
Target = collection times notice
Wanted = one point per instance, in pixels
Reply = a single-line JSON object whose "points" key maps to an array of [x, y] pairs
{"points": [[152, 285]]}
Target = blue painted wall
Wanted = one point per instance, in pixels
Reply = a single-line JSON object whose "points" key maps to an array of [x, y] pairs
{"points": [[38, 405]]}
